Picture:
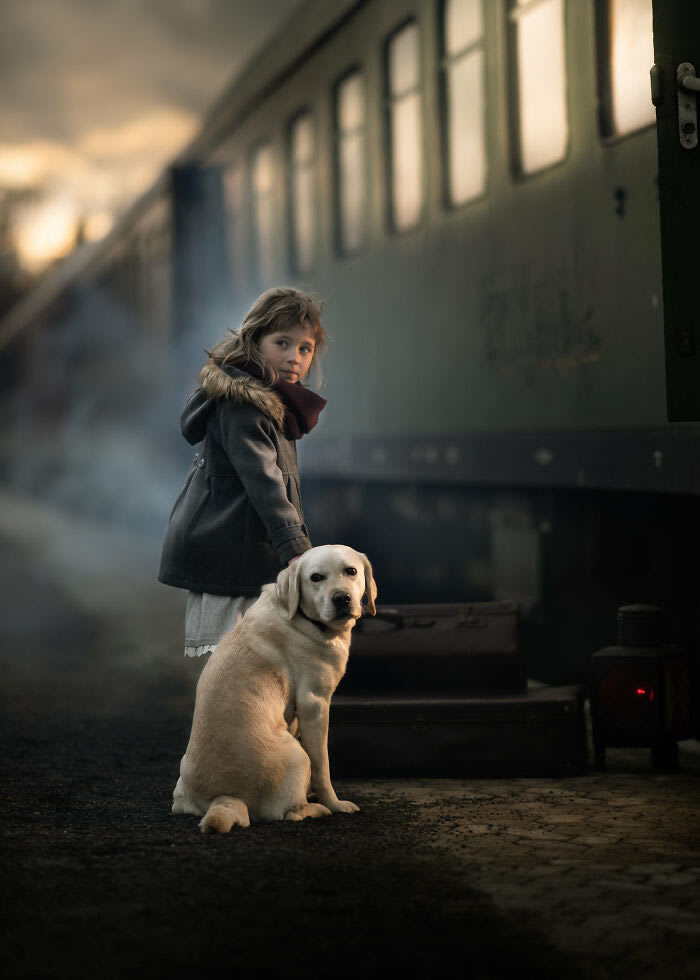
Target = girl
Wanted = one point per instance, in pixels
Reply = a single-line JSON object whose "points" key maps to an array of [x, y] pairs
{"points": [[238, 519]]}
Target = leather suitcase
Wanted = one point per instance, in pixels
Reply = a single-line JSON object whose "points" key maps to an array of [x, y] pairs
{"points": [[539, 731], [456, 647]]}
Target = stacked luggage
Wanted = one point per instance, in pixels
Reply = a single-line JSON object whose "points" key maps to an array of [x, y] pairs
{"points": [[441, 690]]}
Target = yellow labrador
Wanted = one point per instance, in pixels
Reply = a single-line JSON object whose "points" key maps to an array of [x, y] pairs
{"points": [[268, 679]]}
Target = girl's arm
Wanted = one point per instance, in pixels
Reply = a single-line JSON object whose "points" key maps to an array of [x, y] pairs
{"points": [[252, 452]]}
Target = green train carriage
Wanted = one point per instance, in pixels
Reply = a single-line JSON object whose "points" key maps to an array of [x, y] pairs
{"points": [[472, 186]]}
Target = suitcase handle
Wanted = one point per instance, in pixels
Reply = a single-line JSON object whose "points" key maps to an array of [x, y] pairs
{"points": [[421, 622], [396, 620], [465, 618]]}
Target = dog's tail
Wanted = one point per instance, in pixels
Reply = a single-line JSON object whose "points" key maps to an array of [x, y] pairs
{"points": [[224, 812]]}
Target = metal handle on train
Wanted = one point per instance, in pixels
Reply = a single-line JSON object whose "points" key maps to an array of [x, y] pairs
{"points": [[691, 83], [688, 85]]}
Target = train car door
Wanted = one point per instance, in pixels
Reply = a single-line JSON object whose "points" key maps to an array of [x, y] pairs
{"points": [[675, 81]]}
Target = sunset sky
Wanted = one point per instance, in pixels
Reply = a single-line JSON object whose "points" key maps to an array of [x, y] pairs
{"points": [[98, 96]]}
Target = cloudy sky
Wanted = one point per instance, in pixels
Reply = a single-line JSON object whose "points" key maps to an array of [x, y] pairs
{"points": [[100, 94]]}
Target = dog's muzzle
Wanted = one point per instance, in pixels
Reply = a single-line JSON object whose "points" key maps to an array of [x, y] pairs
{"points": [[341, 604]]}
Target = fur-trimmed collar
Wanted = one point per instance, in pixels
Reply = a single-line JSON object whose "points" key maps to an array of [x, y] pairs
{"points": [[240, 387]]}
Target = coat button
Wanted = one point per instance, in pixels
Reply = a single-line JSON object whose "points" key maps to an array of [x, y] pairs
{"points": [[201, 463]]}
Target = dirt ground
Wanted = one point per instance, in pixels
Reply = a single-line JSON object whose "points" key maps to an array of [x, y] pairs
{"points": [[590, 876]]}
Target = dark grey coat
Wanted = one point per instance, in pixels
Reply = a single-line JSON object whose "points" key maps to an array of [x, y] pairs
{"points": [[238, 518]]}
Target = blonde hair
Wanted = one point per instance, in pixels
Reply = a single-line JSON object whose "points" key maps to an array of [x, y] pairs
{"points": [[276, 309]]}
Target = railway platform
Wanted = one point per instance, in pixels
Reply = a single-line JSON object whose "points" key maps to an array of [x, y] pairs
{"points": [[596, 875]]}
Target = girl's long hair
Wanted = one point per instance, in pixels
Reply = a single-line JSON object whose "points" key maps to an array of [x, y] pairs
{"points": [[277, 309]]}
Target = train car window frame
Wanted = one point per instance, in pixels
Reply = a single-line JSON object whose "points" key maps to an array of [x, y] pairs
{"points": [[446, 62], [391, 100], [295, 169], [263, 277], [514, 123], [609, 135], [339, 185]]}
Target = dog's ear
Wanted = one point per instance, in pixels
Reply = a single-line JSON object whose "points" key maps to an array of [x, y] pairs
{"points": [[287, 586], [370, 587]]}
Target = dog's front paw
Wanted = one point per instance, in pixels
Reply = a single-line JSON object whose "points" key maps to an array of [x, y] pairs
{"points": [[344, 806]]}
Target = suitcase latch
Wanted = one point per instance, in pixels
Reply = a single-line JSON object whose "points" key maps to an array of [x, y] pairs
{"points": [[464, 619]]}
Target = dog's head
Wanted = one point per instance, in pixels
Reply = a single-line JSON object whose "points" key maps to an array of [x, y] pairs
{"points": [[328, 583]]}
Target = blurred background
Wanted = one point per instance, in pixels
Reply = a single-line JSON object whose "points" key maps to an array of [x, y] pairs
{"points": [[472, 189], [98, 101]]}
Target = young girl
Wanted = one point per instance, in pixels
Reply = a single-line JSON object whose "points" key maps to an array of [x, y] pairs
{"points": [[238, 520]]}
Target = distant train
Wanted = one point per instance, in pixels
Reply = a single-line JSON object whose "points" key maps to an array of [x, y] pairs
{"points": [[471, 186]]}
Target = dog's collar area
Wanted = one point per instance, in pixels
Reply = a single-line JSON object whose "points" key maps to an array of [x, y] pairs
{"points": [[316, 622]]}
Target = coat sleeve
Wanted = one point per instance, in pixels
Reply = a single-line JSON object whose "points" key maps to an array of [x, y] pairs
{"points": [[253, 454]]}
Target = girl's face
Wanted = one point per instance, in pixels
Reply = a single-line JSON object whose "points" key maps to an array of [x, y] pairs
{"points": [[289, 351]]}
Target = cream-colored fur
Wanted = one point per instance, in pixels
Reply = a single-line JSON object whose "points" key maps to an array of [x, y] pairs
{"points": [[269, 678]]}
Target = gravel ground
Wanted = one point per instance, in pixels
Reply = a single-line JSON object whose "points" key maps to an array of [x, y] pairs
{"points": [[594, 876], [103, 880]]}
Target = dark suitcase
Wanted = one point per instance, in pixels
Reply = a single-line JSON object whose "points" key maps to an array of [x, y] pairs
{"points": [[456, 647], [534, 732]]}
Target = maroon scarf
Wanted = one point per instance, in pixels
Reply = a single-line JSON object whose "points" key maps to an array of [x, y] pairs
{"points": [[303, 405]]}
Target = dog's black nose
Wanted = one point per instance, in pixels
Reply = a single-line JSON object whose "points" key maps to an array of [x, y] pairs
{"points": [[342, 599]]}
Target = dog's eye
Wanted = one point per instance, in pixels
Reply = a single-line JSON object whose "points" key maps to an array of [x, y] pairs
{"points": [[316, 577], [351, 571]]}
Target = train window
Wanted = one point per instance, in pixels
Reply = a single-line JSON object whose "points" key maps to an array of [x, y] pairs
{"points": [[536, 33], [233, 210], [463, 100], [405, 127], [302, 191], [625, 55], [262, 186], [351, 162]]}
